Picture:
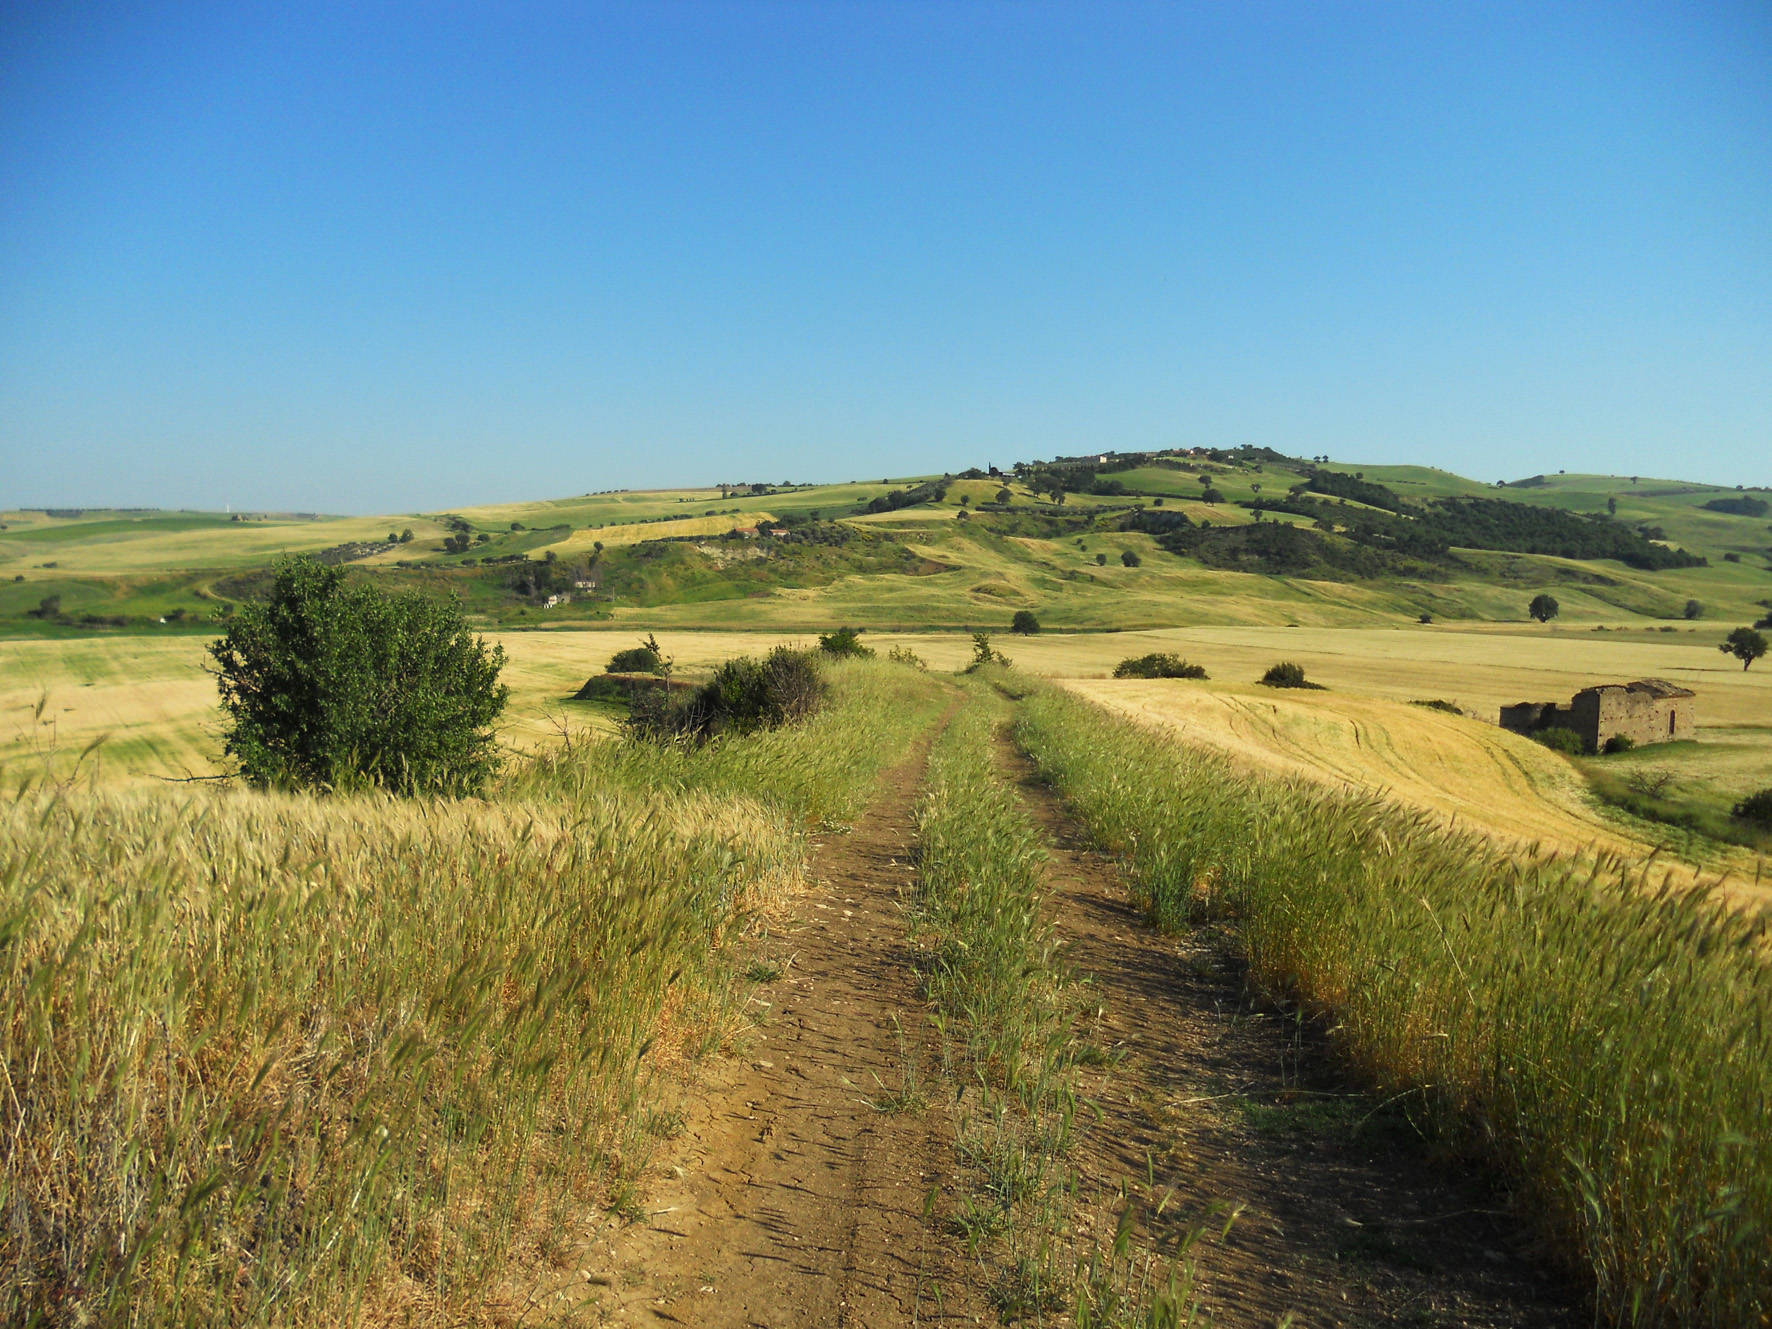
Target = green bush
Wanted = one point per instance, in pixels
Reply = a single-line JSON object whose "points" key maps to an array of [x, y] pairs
{"points": [[1620, 743], [327, 685], [983, 653], [1288, 676], [1024, 623], [1559, 739], [646, 658], [844, 643], [1440, 704], [1158, 664], [1755, 809], [745, 695], [1129, 558]]}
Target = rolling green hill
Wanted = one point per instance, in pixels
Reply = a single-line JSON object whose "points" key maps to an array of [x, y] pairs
{"points": [[956, 551]]}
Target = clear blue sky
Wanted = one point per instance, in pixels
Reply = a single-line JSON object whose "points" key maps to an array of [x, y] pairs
{"points": [[366, 257]]}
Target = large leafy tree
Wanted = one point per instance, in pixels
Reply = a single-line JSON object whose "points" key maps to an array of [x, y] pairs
{"points": [[1544, 608], [331, 684], [1745, 645]]}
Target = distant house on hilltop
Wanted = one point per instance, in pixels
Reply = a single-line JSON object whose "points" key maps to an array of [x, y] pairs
{"points": [[1651, 710]]}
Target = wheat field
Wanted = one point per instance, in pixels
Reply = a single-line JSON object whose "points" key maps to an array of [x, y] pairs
{"points": [[1462, 769], [155, 708], [151, 696]]}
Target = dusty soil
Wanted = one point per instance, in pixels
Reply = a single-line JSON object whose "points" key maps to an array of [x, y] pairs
{"points": [[795, 1196], [1346, 1220]]}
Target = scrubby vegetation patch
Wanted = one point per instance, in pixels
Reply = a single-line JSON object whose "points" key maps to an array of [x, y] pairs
{"points": [[1158, 664]]}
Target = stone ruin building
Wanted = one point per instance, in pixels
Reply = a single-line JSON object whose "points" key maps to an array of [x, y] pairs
{"points": [[1651, 710]]}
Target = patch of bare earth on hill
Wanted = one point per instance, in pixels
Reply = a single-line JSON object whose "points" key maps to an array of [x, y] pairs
{"points": [[1218, 1100], [796, 1194]]}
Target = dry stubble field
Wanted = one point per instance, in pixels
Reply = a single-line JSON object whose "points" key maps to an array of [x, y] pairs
{"points": [[152, 699]]}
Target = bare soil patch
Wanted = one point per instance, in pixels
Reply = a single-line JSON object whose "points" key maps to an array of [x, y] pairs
{"points": [[795, 1194], [1217, 1098]]}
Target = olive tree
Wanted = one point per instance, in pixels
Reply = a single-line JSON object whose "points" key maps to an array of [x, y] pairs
{"points": [[332, 684]]}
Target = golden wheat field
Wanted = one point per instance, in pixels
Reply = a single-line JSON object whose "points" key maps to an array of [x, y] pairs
{"points": [[1468, 771], [155, 707], [158, 707], [584, 541]]}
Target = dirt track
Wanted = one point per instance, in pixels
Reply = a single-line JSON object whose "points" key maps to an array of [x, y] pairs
{"points": [[792, 1199], [1225, 1103]]}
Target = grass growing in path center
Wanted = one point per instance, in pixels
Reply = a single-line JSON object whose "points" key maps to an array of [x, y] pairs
{"points": [[1007, 1010]]}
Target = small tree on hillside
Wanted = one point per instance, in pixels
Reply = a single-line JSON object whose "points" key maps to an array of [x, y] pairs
{"points": [[1129, 558], [329, 685], [1024, 623], [1544, 608], [983, 653], [1694, 609], [1745, 645]]}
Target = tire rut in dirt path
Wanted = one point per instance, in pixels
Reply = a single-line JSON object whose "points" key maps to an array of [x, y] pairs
{"points": [[1345, 1220], [790, 1201]]}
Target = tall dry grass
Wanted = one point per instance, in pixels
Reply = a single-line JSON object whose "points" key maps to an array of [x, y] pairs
{"points": [[284, 1060], [1605, 1041]]}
